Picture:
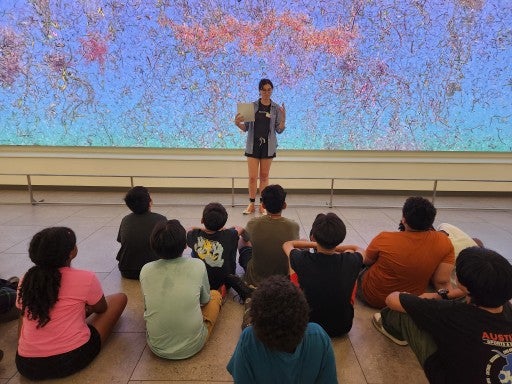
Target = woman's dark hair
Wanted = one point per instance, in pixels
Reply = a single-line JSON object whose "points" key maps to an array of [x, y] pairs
{"points": [[419, 213], [328, 230], [168, 239], [486, 275], [214, 216], [49, 249], [273, 196], [280, 314], [265, 82], [138, 199]]}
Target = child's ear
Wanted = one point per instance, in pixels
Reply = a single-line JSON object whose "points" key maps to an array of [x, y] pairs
{"points": [[73, 253], [312, 238], [202, 220]]}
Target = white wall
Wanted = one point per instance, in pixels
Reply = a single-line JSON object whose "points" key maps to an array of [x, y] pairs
{"points": [[212, 169]]}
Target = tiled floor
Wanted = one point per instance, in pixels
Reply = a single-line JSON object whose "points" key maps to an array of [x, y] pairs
{"points": [[363, 356]]}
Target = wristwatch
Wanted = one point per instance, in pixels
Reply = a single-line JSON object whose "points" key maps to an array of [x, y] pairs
{"points": [[443, 292]]}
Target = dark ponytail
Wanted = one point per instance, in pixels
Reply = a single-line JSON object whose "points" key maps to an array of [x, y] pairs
{"points": [[49, 250]]}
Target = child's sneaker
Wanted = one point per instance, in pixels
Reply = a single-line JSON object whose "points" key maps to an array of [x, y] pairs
{"points": [[242, 289], [377, 323], [223, 292], [247, 319]]}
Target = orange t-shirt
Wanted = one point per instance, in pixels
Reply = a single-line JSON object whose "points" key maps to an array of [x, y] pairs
{"points": [[405, 262]]}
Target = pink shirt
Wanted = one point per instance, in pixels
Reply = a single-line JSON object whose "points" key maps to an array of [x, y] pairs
{"points": [[67, 329]]}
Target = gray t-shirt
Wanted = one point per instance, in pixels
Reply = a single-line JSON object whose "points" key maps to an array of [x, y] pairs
{"points": [[267, 237]]}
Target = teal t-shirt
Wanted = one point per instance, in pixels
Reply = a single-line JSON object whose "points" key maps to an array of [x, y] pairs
{"points": [[312, 361], [173, 292]]}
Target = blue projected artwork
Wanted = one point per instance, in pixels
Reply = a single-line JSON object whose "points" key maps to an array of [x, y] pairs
{"points": [[430, 75]]}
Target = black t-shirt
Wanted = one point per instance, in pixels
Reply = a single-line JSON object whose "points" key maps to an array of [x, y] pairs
{"points": [[262, 121], [474, 345], [217, 250], [328, 282], [134, 233]]}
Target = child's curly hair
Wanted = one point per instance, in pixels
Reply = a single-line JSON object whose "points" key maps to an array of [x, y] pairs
{"points": [[280, 314]]}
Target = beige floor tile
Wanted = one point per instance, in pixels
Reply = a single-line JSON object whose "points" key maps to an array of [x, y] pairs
{"points": [[98, 251], [381, 360], [347, 366], [132, 319]]}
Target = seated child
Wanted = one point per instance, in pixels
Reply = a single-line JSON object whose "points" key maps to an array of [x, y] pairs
{"points": [[281, 346], [454, 341], [327, 277], [8, 309], [180, 310], [57, 337], [217, 247], [134, 233]]}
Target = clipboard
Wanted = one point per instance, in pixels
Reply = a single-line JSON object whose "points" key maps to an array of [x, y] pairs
{"points": [[246, 110]]}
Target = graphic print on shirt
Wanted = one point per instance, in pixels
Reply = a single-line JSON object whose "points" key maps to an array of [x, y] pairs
{"points": [[210, 251], [496, 368], [505, 374]]}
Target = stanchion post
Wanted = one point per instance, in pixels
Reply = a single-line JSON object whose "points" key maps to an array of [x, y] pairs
{"points": [[30, 192], [434, 192]]}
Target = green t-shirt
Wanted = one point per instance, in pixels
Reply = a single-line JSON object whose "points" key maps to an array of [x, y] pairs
{"points": [[267, 237], [174, 291]]}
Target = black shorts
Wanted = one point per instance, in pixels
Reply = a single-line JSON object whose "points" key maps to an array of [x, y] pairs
{"points": [[62, 365], [260, 149]]}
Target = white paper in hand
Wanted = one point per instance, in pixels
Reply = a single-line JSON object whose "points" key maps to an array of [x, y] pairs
{"points": [[246, 110]]}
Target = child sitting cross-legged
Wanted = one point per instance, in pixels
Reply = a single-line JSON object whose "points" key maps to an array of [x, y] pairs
{"points": [[216, 246], [65, 318], [180, 310], [328, 275]]}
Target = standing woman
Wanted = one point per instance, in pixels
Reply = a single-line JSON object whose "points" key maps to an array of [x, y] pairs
{"points": [[261, 143], [55, 338]]}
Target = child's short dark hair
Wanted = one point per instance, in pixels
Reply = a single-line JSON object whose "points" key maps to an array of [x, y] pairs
{"points": [[168, 239], [214, 216], [138, 199], [328, 230], [487, 276], [280, 314], [419, 213], [273, 197]]}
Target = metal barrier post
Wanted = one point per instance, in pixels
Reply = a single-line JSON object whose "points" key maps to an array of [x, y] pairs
{"points": [[232, 191], [434, 192], [30, 192], [332, 193]]}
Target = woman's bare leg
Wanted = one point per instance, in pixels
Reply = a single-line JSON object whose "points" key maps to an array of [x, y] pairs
{"points": [[253, 165], [264, 172]]}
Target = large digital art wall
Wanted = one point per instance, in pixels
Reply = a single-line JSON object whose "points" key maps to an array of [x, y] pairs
{"points": [[432, 75]]}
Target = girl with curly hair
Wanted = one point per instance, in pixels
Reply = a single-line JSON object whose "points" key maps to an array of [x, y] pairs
{"points": [[65, 315]]}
